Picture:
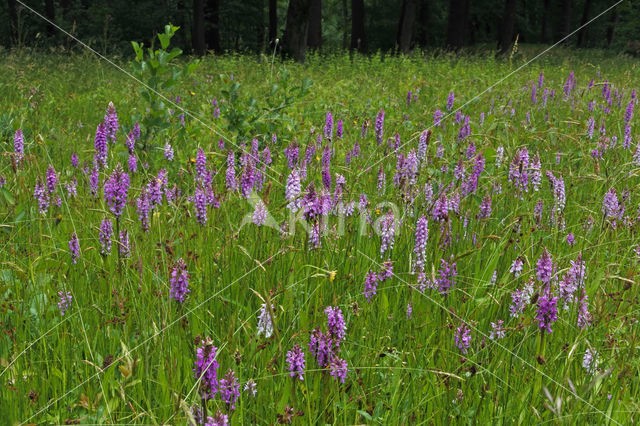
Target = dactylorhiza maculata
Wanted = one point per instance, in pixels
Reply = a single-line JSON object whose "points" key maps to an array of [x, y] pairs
{"points": [[206, 369], [295, 358], [64, 303], [260, 213], [265, 324], [387, 232], [547, 312], [380, 127], [123, 244], [100, 145], [229, 389], [104, 236], [179, 281], [111, 122], [74, 248], [446, 279], [462, 338], [18, 146], [420, 249], [116, 189], [544, 268]]}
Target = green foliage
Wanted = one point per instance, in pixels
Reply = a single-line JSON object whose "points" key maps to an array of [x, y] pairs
{"points": [[159, 73]]}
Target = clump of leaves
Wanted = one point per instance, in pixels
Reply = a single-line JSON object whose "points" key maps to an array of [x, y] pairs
{"points": [[160, 74]]}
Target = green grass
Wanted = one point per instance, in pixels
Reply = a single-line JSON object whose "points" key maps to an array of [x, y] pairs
{"points": [[401, 371]]}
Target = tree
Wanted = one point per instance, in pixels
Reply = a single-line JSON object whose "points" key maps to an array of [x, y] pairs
{"points": [[294, 40], [457, 23], [314, 35], [405, 26], [582, 35], [422, 37], [50, 11], [197, 38], [507, 26], [13, 20], [565, 22], [615, 18], [358, 40], [273, 22], [546, 12], [212, 31]]}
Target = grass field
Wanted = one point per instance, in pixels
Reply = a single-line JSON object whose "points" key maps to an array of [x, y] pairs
{"points": [[485, 272]]}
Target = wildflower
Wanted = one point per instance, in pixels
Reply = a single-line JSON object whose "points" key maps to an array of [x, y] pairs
{"points": [[41, 194], [200, 203], [168, 151], [547, 312], [265, 325], [463, 338], [100, 145], [450, 100], [485, 207], [65, 301], [516, 267], [584, 316], [201, 163], [422, 233], [292, 153], [328, 126], [387, 232], [339, 129], [18, 145], [143, 209], [115, 190], [124, 247], [380, 126], [370, 285], [446, 276], [497, 330], [206, 369], [321, 347], [338, 368], [571, 239], [409, 310], [590, 361], [335, 323], [250, 387], [51, 179], [611, 207], [260, 213], [111, 122], [74, 248], [295, 358], [544, 268], [229, 389], [105, 234], [179, 281], [437, 118]]}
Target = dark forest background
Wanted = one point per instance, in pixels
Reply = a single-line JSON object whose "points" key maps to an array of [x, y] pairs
{"points": [[252, 26]]}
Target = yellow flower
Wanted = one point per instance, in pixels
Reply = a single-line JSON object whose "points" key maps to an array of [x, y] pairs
{"points": [[192, 160], [377, 211], [317, 158], [192, 93], [332, 275]]}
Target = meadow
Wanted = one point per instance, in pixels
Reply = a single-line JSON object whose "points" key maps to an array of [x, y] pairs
{"points": [[355, 240]]}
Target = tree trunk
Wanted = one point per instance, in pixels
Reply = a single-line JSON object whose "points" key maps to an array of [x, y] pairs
{"points": [[212, 31], [507, 26], [345, 24], [13, 21], [406, 24], [197, 38], [565, 23], [294, 40], [546, 12], [314, 36], [457, 23], [582, 35], [358, 39], [273, 22], [50, 12], [423, 24], [615, 17]]}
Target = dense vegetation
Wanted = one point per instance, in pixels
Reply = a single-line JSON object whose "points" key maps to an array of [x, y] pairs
{"points": [[478, 240]]}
